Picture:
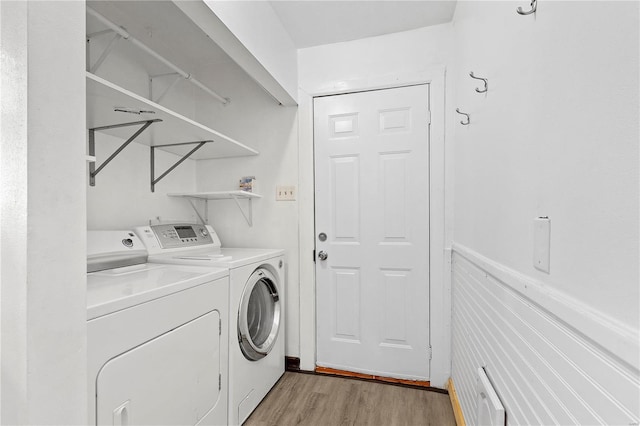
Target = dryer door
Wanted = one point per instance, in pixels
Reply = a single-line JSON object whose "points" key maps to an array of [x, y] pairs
{"points": [[259, 315], [173, 379]]}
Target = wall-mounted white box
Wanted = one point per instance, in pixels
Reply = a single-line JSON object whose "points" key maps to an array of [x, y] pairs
{"points": [[541, 243]]}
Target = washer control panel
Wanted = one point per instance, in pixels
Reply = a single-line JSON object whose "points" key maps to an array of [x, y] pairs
{"points": [[183, 235]]}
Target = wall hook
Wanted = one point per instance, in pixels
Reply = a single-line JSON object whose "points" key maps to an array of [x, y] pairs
{"points": [[534, 6], [486, 83], [466, 115]]}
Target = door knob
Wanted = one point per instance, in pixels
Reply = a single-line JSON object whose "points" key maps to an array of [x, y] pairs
{"points": [[323, 255]]}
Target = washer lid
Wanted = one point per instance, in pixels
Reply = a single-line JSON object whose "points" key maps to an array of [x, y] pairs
{"points": [[116, 289]]}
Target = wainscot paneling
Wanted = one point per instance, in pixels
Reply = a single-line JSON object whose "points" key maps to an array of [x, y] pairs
{"points": [[545, 368]]}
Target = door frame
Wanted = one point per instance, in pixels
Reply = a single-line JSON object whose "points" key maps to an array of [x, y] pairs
{"points": [[439, 222]]}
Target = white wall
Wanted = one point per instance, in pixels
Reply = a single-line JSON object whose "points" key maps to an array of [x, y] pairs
{"points": [[256, 120], [556, 135], [258, 28], [377, 62], [122, 197], [42, 226]]}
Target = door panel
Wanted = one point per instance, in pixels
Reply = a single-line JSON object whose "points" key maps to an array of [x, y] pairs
{"points": [[346, 288], [394, 182], [395, 287], [372, 201], [345, 184]]}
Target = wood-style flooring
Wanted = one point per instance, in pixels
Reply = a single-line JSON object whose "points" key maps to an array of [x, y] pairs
{"points": [[308, 399]]}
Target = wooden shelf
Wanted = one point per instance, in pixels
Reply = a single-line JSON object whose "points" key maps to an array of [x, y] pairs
{"points": [[103, 97]]}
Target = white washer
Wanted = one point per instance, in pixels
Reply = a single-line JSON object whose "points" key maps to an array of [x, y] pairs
{"points": [[157, 337], [256, 305]]}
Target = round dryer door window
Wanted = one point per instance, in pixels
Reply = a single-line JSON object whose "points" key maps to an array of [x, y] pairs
{"points": [[259, 315]]}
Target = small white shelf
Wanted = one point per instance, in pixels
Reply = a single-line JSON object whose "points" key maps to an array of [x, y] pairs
{"points": [[221, 195], [217, 195], [103, 97]]}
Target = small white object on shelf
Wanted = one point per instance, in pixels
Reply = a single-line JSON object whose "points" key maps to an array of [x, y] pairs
{"points": [[248, 183]]}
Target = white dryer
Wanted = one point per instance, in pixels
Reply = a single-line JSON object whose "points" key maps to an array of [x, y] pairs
{"points": [[157, 337], [256, 305]]}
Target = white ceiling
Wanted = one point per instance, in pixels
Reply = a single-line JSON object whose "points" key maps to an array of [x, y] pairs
{"points": [[313, 22]]}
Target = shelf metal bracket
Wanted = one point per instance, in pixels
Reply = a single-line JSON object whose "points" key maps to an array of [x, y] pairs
{"points": [[195, 209], [177, 78], [154, 180], [93, 171], [105, 53], [248, 215]]}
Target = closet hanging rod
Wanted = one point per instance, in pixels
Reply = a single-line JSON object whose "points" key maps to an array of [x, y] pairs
{"points": [[125, 35]]}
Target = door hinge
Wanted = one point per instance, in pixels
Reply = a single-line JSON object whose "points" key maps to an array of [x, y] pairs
{"points": [[219, 326], [314, 256], [430, 352], [429, 117], [219, 381]]}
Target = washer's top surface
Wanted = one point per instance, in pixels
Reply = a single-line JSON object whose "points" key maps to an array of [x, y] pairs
{"points": [[116, 289], [221, 257], [192, 244]]}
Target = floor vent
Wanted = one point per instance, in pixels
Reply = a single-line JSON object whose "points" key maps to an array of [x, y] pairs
{"points": [[490, 410]]}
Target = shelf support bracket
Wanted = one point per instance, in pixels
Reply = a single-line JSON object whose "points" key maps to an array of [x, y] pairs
{"points": [[93, 171], [177, 78], [154, 180], [105, 53], [195, 209], [248, 216]]}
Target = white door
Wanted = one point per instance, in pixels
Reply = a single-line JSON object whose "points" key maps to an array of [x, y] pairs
{"points": [[372, 204]]}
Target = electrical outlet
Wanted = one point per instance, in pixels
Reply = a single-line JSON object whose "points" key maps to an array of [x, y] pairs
{"points": [[285, 193]]}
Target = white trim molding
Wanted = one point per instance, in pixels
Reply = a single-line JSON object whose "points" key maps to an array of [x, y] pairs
{"points": [[440, 300]]}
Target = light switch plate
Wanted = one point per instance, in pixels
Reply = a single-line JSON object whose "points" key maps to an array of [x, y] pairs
{"points": [[285, 193], [541, 243]]}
